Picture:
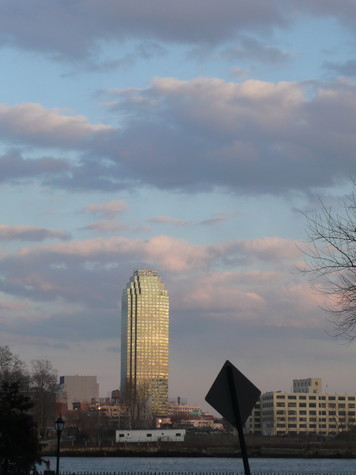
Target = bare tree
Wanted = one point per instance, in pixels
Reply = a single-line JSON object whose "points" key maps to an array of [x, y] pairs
{"points": [[11, 367], [44, 389], [43, 375], [332, 256], [139, 406]]}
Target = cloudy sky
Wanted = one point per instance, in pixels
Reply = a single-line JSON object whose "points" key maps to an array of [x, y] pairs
{"points": [[190, 137]]}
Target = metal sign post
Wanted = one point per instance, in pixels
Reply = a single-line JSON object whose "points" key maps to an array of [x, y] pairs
{"points": [[238, 423], [234, 397]]}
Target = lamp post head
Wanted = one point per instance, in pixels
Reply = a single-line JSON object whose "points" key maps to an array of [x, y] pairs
{"points": [[59, 425]]}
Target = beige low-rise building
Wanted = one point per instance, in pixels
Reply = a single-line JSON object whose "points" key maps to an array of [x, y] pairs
{"points": [[307, 385], [176, 409], [304, 411]]}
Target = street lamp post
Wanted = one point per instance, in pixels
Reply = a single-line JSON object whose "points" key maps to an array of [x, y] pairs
{"points": [[59, 426]]}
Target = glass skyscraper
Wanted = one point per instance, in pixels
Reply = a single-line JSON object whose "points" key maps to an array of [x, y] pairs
{"points": [[144, 342]]}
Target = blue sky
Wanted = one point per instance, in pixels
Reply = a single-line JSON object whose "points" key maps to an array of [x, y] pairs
{"points": [[187, 137]]}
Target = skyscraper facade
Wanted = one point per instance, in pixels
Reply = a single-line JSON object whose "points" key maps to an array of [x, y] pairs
{"points": [[144, 342]]}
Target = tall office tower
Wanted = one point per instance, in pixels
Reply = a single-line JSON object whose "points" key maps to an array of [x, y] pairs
{"points": [[144, 343]]}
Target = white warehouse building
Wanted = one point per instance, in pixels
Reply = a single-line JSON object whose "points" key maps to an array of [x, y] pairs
{"points": [[154, 435]]}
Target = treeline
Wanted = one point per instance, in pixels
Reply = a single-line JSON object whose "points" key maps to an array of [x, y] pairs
{"points": [[27, 409]]}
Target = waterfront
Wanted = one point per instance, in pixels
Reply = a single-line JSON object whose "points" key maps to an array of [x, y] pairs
{"points": [[203, 465]]}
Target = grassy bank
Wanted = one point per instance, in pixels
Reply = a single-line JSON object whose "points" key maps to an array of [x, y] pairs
{"points": [[212, 445]]}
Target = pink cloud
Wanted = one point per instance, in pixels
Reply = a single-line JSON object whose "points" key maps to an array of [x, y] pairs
{"points": [[171, 253], [252, 136], [219, 295], [267, 296], [107, 210], [257, 297], [16, 311], [270, 248], [224, 106], [35, 122], [264, 249], [14, 306], [105, 227], [176, 255], [34, 280], [30, 233], [168, 220], [220, 217]]}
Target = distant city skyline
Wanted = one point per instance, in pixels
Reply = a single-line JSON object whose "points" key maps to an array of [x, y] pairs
{"points": [[187, 137]]}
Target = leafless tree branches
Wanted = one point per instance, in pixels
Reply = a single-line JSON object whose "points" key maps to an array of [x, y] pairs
{"points": [[332, 256]]}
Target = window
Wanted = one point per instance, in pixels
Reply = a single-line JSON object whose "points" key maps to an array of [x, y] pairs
{"points": [[178, 434], [149, 435]]}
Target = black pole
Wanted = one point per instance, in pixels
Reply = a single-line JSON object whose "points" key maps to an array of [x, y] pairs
{"points": [[237, 415], [58, 448]]}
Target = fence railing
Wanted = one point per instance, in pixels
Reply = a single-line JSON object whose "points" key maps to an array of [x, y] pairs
{"points": [[202, 473]]}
